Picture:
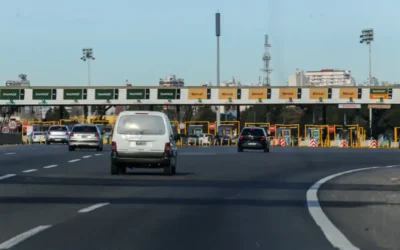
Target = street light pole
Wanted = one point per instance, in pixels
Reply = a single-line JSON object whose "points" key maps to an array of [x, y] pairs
{"points": [[367, 36], [218, 34], [88, 56]]}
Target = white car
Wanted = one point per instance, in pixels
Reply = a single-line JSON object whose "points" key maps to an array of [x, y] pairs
{"points": [[37, 137], [143, 139]]}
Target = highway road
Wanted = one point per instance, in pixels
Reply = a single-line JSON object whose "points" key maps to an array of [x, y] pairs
{"points": [[220, 199]]}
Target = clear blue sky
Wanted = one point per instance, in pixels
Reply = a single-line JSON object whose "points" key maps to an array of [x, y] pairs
{"points": [[146, 40]]}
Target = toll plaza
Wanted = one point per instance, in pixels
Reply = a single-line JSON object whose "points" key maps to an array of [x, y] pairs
{"points": [[175, 127], [318, 133], [197, 127], [289, 132], [265, 125], [227, 128]]}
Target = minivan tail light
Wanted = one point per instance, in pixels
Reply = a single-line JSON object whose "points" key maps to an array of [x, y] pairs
{"points": [[114, 147], [167, 147], [96, 135]]}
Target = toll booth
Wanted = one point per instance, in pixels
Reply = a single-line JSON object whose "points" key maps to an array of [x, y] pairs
{"points": [[197, 127], [227, 128], [265, 125], [289, 132], [318, 133], [349, 133], [396, 131]]}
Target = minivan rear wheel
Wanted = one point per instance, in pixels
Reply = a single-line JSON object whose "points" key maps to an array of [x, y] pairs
{"points": [[168, 170]]}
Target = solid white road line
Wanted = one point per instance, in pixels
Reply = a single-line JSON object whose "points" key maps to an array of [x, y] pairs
{"points": [[332, 233], [51, 166], [98, 154], [7, 176], [10, 153], [86, 156], [75, 160], [91, 208], [21, 237], [29, 170]]}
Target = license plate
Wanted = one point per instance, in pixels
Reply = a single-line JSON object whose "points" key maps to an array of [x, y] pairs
{"points": [[84, 136], [141, 143], [252, 144]]}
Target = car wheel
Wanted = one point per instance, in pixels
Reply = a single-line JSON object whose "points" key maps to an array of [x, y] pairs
{"points": [[114, 169], [240, 149], [71, 148]]}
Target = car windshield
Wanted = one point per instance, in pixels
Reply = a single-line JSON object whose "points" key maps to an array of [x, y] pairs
{"points": [[254, 132], [141, 125], [58, 128], [84, 129]]}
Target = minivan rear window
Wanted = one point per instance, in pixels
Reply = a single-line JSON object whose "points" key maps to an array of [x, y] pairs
{"points": [[255, 132], [141, 125], [84, 129], [58, 128]]}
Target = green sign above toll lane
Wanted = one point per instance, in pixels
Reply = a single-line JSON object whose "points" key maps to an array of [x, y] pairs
{"points": [[166, 94], [41, 94], [73, 94], [104, 94], [9, 94], [378, 91], [133, 94]]}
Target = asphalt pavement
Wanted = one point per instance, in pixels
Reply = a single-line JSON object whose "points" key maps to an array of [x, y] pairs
{"points": [[220, 199]]}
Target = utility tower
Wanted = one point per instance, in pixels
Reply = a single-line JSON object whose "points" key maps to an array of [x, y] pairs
{"points": [[266, 58]]}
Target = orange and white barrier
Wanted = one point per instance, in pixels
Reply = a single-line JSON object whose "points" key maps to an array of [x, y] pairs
{"points": [[282, 142], [372, 144], [313, 143], [343, 144]]}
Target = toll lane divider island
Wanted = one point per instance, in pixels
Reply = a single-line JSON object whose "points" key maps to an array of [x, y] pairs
{"points": [[146, 95]]}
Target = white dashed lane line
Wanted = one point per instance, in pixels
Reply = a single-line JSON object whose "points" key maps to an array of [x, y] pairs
{"points": [[29, 170], [86, 156], [75, 160], [91, 208], [23, 236], [98, 154], [7, 176], [51, 166], [10, 153]]}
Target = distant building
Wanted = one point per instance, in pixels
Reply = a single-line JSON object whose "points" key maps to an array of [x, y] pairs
{"points": [[330, 77], [298, 79], [172, 81], [24, 82]]}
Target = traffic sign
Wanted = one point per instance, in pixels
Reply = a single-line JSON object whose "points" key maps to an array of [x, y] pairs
{"points": [[5, 130], [331, 129], [12, 125], [272, 129], [212, 126]]}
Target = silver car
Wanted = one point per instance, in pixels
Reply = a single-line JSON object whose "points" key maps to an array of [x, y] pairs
{"points": [[57, 134], [85, 136]]}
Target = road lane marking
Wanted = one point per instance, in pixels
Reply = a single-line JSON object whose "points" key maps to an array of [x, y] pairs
{"points": [[21, 237], [7, 176], [86, 156], [91, 208], [29, 170], [10, 153], [51, 166], [98, 154], [332, 233], [75, 160]]}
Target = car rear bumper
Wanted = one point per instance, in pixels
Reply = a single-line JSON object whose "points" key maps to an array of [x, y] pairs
{"points": [[57, 139], [249, 145], [141, 159], [82, 144]]}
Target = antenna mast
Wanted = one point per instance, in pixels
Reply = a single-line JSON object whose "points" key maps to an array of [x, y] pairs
{"points": [[266, 58]]}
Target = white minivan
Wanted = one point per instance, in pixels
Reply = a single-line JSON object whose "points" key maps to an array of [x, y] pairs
{"points": [[143, 139]]}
